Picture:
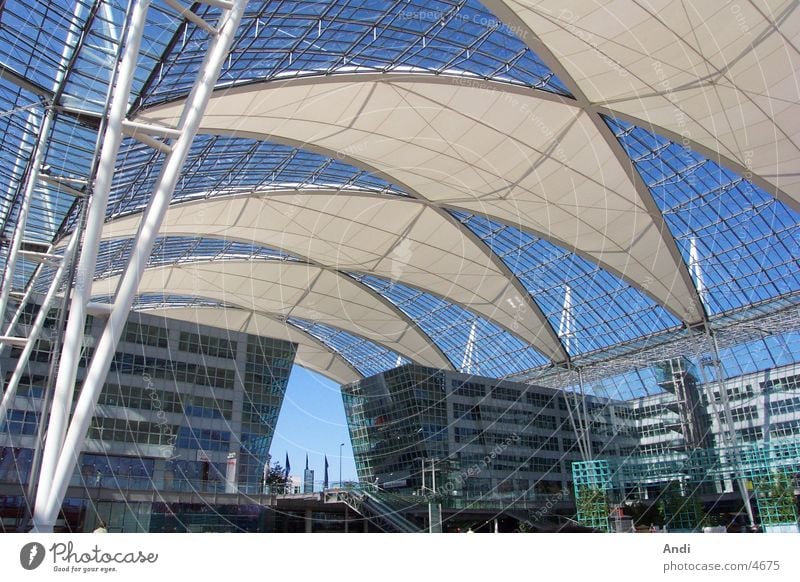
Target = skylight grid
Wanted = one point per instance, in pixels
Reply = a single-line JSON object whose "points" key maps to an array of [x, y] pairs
{"points": [[20, 117], [33, 35], [365, 356], [297, 38], [745, 241], [220, 165], [113, 255], [605, 310], [167, 301], [471, 343]]}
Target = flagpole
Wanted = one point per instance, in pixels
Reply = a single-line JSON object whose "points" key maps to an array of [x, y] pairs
{"points": [[340, 465]]}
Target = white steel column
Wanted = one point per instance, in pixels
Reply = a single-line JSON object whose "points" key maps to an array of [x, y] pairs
{"points": [[45, 514], [467, 363], [25, 208], [73, 338], [38, 325], [36, 165]]}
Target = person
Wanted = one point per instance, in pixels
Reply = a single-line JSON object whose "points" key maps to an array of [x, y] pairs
{"points": [[101, 527]]}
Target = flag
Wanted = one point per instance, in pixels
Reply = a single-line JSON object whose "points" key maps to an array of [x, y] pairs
{"points": [[325, 481], [288, 466]]}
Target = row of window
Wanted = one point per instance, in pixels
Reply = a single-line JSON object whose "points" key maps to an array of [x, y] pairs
{"points": [[190, 373], [468, 389], [785, 406], [203, 439], [207, 345], [132, 431], [22, 421], [146, 335], [781, 384], [744, 413]]}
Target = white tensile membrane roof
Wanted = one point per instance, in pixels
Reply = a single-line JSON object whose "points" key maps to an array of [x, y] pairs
{"points": [[445, 181]]}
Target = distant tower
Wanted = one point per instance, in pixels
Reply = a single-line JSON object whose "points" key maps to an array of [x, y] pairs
{"points": [[566, 330], [467, 364], [696, 271], [308, 479]]}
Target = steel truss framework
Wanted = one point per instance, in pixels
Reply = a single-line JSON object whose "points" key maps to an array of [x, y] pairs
{"points": [[394, 39], [544, 302]]}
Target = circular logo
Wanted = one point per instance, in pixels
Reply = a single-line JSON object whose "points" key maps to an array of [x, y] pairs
{"points": [[31, 555]]}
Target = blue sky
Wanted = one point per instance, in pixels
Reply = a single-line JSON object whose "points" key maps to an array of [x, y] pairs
{"points": [[312, 421]]}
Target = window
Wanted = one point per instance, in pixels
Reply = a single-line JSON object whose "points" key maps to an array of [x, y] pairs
{"points": [[147, 335], [207, 345]]}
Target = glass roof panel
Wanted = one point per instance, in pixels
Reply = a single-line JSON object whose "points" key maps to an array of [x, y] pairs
{"points": [[113, 255], [745, 241], [219, 165], [293, 38], [494, 351], [605, 309], [88, 79], [33, 36], [166, 301], [365, 356], [20, 116]]}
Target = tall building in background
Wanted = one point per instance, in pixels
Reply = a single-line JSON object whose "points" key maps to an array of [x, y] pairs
{"points": [[493, 442], [185, 408], [485, 439], [308, 479]]}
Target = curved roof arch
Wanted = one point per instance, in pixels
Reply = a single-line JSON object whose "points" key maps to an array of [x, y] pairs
{"points": [[658, 142], [719, 78], [311, 353], [395, 237], [287, 289], [179, 251], [301, 39], [520, 158]]}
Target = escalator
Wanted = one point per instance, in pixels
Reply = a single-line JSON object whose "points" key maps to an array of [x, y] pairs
{"points": [[377, 511]]}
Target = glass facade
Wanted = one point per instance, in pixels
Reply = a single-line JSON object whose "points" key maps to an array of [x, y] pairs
{"points": [[180, 402], [499, 444]]}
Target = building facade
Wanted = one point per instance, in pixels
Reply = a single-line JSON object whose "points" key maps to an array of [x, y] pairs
{"points": [[489, 442], [185, 408]]}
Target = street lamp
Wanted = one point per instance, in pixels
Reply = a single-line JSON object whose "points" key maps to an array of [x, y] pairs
{"points": [[340, 465]]}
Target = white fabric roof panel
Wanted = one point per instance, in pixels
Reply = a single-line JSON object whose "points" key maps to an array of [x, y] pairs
{"points": [[393, 237], [287, 288], [311, 353], [531, 161], [723, 75]]}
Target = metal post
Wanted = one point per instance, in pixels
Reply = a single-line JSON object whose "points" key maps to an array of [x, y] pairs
{"points": [[340, 465], [726, 408], [68, 368], [148, 230], [36, 464], [587, 422], [726, 424]]}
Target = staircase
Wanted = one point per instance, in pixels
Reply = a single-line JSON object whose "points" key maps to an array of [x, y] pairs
{"points": [[377, 511]]}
